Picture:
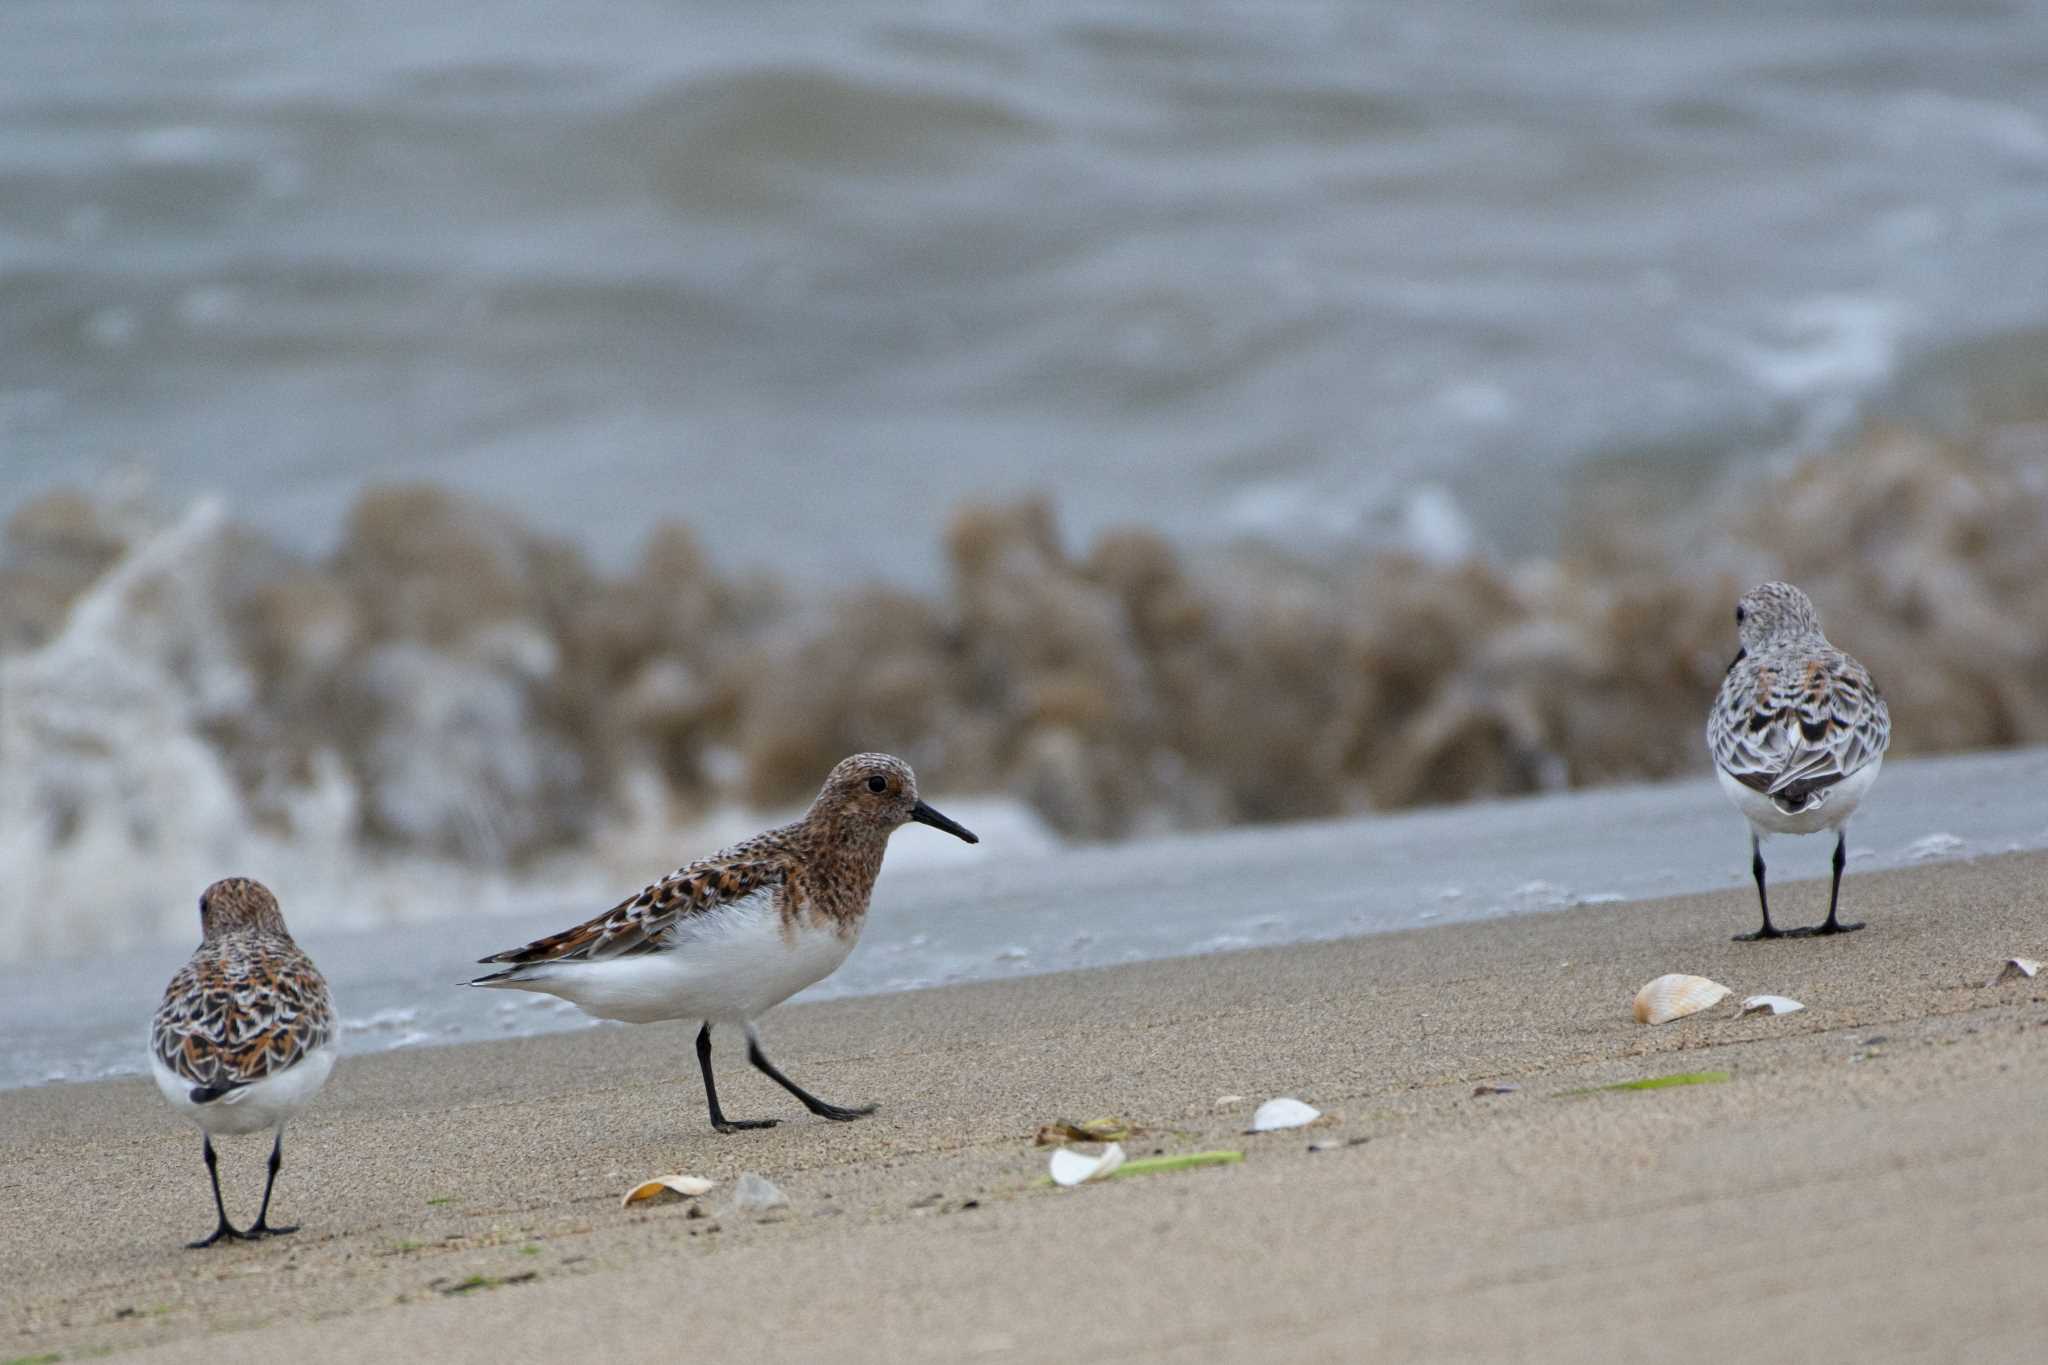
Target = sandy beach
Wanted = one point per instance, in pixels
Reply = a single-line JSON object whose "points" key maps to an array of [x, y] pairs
{"points": [[1866, 1183]]}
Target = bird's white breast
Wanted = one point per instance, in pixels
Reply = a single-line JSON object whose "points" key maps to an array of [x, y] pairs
{"points": [[727, 965]]}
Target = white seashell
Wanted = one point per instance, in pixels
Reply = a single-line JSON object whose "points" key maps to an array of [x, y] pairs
{"points": [[1774, 1004], [1229, 1101], [1283, 1113], [1675, 996], [682, 1186], [2013, 969], [1071, 1168]]}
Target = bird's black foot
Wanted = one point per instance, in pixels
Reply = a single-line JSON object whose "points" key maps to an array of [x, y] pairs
{"points": [[221, 1233], [735, 1125], [266, 1230], [1831, 927], [1759, 935], [839, 1113]]}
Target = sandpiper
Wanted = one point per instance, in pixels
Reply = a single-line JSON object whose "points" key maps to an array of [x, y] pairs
{"points": [[1797, 735], [244, 1037], [729, 937]]}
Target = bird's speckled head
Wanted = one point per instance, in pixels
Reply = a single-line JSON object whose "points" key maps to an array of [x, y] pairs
{"points": [[1772, 612], [238, 905], [877, 792]]}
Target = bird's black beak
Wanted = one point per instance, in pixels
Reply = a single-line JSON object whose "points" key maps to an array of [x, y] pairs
{"points": [[925, 815]]}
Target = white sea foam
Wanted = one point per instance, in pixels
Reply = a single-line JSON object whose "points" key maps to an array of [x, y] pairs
{"points": [[1834, 342]]}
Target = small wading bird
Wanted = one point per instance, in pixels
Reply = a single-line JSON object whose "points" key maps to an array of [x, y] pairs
{"points": [[729, 937], [1797, 735], [243, 1038]]}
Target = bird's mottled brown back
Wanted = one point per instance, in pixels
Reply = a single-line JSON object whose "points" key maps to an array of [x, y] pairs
{"points": [[642, 923], [814, 867], [1794, 714], [247, 1005]]}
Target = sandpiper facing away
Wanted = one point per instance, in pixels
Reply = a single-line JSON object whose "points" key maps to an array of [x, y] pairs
{"points": [[1797, 734], [729, 937], [244, 1036]]}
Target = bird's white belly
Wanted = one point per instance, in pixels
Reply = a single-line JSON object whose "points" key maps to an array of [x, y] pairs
{"points": [[1833, 811], [728, 965], [255, 1108]]}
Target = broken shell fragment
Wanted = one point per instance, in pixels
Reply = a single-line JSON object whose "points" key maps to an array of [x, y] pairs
{"points": [[757, 1195], [1771, 1004], [1283, 1113], [1070, 1168], [1675, 996], [2014, 969], [664, 1187]]}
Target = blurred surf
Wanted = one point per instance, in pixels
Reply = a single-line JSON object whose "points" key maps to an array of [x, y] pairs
{"points": [[452, 713]]}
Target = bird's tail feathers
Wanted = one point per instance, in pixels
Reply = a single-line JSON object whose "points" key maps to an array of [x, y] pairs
{"points": [[1801, 803], [512, 977], [226, 1094]]}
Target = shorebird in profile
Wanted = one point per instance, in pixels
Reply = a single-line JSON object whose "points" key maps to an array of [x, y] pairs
{"points": [[729, 937], [1797, 735], [243, 1038]]}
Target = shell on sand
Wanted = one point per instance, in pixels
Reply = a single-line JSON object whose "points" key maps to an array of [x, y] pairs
{"points": [[665, 1186], [1675, 996], [1070, 1168], [1283, 1113], [2013, 969], [1772, 1004]]}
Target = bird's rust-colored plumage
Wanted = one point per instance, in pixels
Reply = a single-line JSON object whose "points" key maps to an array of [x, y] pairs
{"points": [[248, 1003]]}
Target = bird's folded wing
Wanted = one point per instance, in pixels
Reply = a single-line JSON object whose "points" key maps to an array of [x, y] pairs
{"points": [[1772, 730], [644, 923], [230, 1022]]}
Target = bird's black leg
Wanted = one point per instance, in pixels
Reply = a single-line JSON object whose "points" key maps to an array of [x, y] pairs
{"points": [[811, 1102], [261, 1227], [718, 1119], [1756, 865], [223, 1228], [1833, 925]]}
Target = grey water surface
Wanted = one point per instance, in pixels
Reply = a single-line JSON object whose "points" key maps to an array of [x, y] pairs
{"points": [[1190, 894], [806, 274]]}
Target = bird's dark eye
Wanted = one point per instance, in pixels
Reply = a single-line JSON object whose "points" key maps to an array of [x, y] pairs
{"points": [[878, 783], [1740, 616]]}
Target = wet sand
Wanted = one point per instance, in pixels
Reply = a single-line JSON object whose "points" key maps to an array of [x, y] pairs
{"points": [[1867, 1182]]}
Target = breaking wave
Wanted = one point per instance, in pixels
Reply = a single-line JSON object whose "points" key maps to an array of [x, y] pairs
{"points": [[452, 712]]}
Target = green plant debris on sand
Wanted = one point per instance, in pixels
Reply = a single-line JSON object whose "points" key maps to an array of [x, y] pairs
{"points": [[1111, 1129], [1660, 1082], [51, 1359], [1154, 1165], [475, 1282], [440, 1199]]}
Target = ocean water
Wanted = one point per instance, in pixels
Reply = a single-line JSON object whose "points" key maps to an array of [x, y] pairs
{"points": [[947, 913], [806, 279], [806, 275]]}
